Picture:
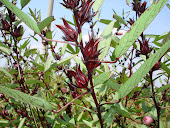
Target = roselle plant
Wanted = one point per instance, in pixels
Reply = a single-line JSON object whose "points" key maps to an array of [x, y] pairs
{"points": [[49, 91]]}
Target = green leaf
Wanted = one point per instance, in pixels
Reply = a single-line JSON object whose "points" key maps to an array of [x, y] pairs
{"points": [[163, 88], [80, 116], [63, 50], [29, 51], [101, 78], [151, 36], [122, 112], [45, 22], [71, 50], [21, 15], [41, 67], [167, 56], [112, 84], [47, 63], [24, 45], [32, 81], [4, 123], [168, 6], [5, 72], [106, 67], [138, 27], [115, 41], [49, 36], [168, 121], [80, 37], [105, 43], [54, 65], [12, 86], [165, 68], [5, 49], [66, 59], [33, 15], [144, 107], [128, 2], [21, 123], [166, 38], [161, 123], [69, 21], [87, 109], [23, 97], [97, 4], [119, 18], [88, 123], [126, 88], [78, 61], [105, 21], [24, 3]]}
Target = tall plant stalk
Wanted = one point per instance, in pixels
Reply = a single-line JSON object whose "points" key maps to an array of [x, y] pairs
{"points": [[49, 13]]}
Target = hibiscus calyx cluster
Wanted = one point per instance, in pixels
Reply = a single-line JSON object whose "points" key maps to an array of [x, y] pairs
{"points": [[91, 54], [81, 81], [139, 7], [69, 32], [84, 14], [70, 4], [144, 47]]}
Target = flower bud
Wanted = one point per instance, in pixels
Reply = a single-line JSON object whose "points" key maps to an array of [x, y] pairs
{"points": [[70, 4], [11, 15], [156, 66], [84, 14], [80, 79], [147, 120], [142, 7], [69, 32], [131, 21], [18, 31], [144, 47], [64, 89], [5, 24]]}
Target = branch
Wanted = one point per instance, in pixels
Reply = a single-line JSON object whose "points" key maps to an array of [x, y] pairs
{"points": [[56, 40], [111, 102], [90, 60], [71, 102], [95, 98], [33, 117], [165, 107], [154, 99]]}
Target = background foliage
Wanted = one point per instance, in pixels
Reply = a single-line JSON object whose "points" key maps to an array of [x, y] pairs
{"points": [[41, 90]]}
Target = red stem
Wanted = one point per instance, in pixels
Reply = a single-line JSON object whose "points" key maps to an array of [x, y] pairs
{"points": [[70, 102], [56, 40], [154, 99], [95, 99]]}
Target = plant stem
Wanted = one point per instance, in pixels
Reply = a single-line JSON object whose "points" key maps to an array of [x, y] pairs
{"points": [[95, 99], [154, 99], [88, 111], [57, 41], [33, 117], [49, 13], [90, 60], [165, 107], [70, 102], [111, 102]]}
